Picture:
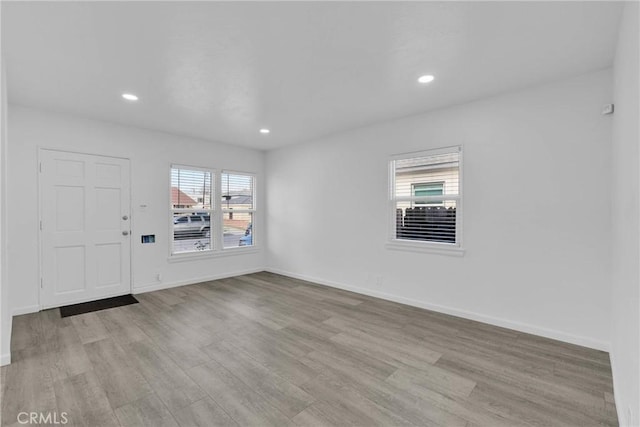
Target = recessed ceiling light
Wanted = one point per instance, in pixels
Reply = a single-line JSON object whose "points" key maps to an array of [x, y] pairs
{"points": [[264, 130], [426, 78], [129, 97]]}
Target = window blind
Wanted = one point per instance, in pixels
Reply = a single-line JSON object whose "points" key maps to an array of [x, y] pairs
{"points": [[426, 196]]}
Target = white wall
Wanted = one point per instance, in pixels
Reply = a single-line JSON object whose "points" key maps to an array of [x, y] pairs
{"points": [[5, 311], [540, 157], [151, 154], [625, 336]]}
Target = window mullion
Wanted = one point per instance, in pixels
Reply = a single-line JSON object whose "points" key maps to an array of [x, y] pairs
{"points": [[440, 198], [218, 208]]}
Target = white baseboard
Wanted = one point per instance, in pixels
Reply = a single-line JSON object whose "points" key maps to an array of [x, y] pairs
{"points": [[25, 310], [5, 359], [154, 287], [622, 413], [503, 323], [159, 286]]}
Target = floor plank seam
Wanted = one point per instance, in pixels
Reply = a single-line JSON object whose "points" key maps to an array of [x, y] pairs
{"points": [[299, 353]]}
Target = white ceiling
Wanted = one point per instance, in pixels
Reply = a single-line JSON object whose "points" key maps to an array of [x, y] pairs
{"points": [[221, 71]]}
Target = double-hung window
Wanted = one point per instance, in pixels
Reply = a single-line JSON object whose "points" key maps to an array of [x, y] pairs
{"points": [[211, 211], [426, 199], [428, 189], [192, 209], [238, 209]]}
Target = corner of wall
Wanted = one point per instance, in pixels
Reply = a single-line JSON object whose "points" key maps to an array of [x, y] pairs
{"points": [[5, 359], [5, 314], [452, 311], [625, 251]]}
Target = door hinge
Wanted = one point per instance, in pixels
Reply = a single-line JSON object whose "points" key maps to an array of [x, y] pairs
{"points": [[41, 283], [40, 167], [40, 225]]}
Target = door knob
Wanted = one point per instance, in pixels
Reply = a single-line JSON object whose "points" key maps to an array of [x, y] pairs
{"points": [[125, 217], [125, 233]]}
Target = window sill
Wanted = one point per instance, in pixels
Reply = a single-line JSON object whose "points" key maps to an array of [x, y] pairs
{"points": [[432, 248], [195, 256]]}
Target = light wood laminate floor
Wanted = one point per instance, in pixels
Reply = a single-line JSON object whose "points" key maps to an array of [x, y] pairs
{"points": [[263, 349]]}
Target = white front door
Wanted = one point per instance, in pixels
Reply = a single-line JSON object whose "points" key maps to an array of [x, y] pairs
{"points": [[85, 227]]}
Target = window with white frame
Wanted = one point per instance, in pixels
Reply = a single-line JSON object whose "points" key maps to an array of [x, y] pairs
{"points": [[238, 209], [211, 211], [426, 197], [192, 209], [428, 189]]}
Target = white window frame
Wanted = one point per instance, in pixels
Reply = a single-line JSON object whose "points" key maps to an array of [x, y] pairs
{"points": [[216, 213], [413, 191], [252, 211], [393, 242]]}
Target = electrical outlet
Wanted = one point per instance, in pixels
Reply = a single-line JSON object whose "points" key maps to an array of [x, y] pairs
{"points": [[159, 277]]}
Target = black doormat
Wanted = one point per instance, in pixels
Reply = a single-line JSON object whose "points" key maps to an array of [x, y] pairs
{"points": [[101, 304]]}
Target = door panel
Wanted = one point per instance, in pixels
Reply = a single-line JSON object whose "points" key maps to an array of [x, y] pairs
{"points": [[69, 171], [85, 248], [69, 208], [69, 264], [108, 209], [108, 256], [108, 175]]}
